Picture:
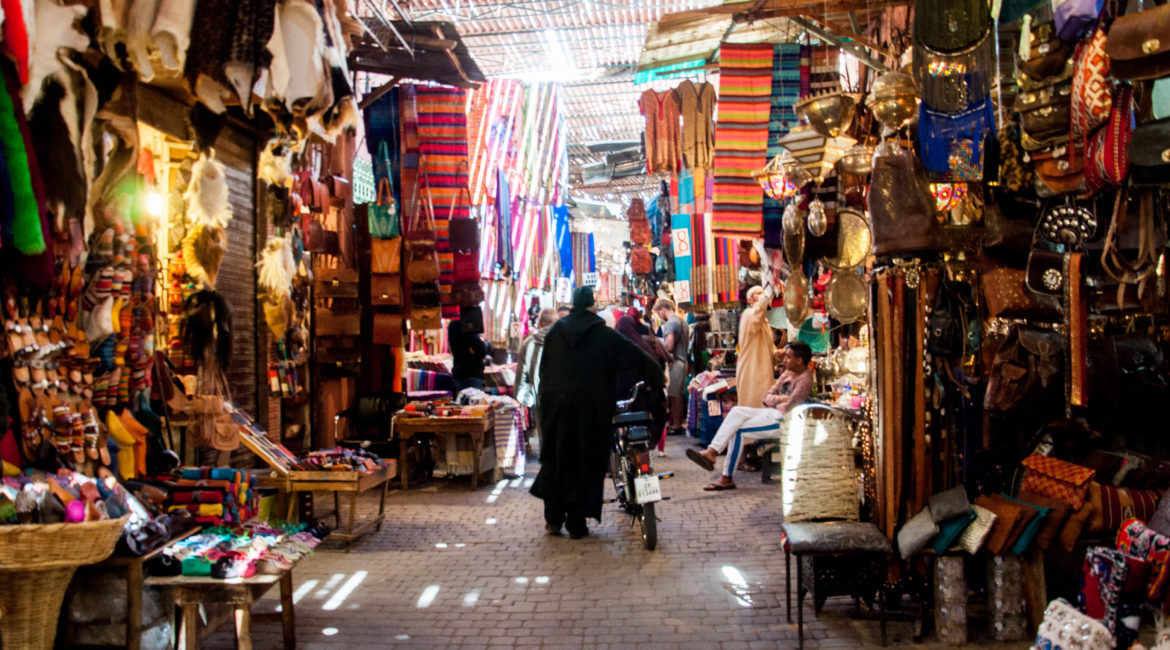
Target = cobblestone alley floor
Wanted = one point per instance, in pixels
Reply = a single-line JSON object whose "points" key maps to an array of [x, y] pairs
{"points": [[453, 568]]}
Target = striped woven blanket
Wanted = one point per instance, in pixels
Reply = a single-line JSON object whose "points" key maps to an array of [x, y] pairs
{"points": [[741, 135]]}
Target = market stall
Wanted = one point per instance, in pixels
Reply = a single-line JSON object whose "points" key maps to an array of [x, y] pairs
{"points": [[963, 214]]}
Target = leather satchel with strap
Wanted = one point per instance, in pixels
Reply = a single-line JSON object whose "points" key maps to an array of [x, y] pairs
{"points": [[421, 263], [1140, 269]]}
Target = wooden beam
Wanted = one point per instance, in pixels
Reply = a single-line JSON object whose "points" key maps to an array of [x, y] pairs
{"points": [[374, 94], [451, 54]]}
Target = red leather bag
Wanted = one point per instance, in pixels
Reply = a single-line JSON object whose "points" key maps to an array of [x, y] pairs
{"points": [[1106, 161]]}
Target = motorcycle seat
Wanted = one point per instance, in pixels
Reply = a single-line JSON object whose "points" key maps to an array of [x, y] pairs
{"points": [[637, 417]]}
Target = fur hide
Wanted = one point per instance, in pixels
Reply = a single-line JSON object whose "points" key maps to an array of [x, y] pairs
{"points": [[57, 155], [276, 268], [278, 314], [275, 166], [207, 195], [203, 251]]}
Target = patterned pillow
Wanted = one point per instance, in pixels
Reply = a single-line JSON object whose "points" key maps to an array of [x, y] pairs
{"points": [[1113, 505]]}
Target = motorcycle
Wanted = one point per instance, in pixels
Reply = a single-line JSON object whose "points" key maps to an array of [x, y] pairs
{"points": [[631, 467]]}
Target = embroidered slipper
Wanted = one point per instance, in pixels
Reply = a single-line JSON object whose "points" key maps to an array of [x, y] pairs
{"points": [[715, 487], [700, 460]]}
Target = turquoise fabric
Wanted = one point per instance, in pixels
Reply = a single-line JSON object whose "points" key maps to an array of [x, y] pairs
{"points": [[1030, 531], [948, 532]]}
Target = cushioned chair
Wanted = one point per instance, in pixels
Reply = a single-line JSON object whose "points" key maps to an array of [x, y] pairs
{"points": [[836, 538]]}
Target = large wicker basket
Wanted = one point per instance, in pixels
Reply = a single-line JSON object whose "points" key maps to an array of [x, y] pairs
{"points": [[36, 564]]}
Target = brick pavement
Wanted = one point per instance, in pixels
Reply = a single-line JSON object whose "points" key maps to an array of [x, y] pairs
{"points": [[453, 568]]}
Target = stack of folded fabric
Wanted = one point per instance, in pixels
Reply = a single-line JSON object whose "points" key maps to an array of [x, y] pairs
{"points": [[214, 495]]}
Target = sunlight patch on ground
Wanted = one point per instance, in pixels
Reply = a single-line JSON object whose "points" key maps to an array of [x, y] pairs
{"points": [[340, 595]]}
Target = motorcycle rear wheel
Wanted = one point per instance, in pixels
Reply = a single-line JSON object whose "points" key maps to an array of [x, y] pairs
{"points": [[649, 527]]}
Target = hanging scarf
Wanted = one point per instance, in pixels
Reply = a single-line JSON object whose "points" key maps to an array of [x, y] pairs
{"points": [[27, 235]]}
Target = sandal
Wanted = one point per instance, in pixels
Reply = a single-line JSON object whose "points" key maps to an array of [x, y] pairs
{"points": [[700, 460], [715, 487]]}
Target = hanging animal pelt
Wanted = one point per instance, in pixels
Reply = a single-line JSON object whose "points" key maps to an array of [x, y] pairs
{"points": [[207, 328], [203, 250], [276, 268], [275, 162], [207, 195], [278, 314]]}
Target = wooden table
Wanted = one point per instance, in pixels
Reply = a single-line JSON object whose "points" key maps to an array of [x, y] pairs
{"points": [[191, 592], [352, 483], [407, 425]]}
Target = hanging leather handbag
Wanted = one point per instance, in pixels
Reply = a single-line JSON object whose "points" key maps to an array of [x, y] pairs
{"points": [[1092, 94], [335, 283], [1026, 373], [1107, 150], [425, 318], [1045, 277], [424, 294], [471, 319], [464, 234], [1059, 170], [466, 266], [1045, 111], [1067, 225], [387, 329], [1139, 44], [639, 224], [640, 260], [1048, 57], [1149, 151], [336, 323], [901, 207], [419, 241], [467, 293], [385, 289], [386, 255]]}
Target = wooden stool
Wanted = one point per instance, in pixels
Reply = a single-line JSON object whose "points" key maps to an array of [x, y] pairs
{"points": [[838, 538]]}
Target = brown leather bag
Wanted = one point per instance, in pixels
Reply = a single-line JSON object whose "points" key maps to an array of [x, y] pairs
{"points": [[331, 323], [336, 283], [424, 318], [1027, 372], [385, 289], [640, 260], [386, 255], [901, 207], [1005, 295], [387, 329], [1139, 45], [1059, 170]]}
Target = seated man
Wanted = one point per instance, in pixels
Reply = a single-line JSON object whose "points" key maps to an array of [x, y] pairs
{"points": [[793, 388]]}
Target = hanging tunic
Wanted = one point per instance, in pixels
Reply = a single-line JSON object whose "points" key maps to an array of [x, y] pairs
{"points": [[662, 131], [697, 104], [753, 371]]}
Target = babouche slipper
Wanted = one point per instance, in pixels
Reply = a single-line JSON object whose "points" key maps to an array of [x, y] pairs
{"points": [[715, 487], [700, 460]]}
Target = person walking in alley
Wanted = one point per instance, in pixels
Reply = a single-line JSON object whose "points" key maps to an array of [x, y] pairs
{"points": [[579, 368]]}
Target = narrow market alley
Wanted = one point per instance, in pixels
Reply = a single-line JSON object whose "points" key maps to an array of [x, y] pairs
{"points": [[452, 568]]}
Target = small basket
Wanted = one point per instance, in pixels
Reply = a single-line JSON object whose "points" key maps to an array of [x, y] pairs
{"points": [[36, 564]]}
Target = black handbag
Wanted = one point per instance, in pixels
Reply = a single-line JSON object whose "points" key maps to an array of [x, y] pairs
{"points": [[1149, 152], [471, 319], [424, 294], [464, 234], [950, 318]]}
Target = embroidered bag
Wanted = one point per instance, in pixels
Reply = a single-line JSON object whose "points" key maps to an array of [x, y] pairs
{"points": [[1102, 582], [1067, 628], [1092, 94], [1106, 155], [1056, 479]]}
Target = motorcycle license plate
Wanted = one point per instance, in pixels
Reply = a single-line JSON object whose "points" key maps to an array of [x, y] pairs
{"points": [[646, 487]]}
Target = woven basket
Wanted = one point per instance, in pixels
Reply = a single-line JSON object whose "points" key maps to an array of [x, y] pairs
{"points": [[819, 480], [36, 564]]}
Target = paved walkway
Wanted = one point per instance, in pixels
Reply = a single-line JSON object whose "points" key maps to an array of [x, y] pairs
{"points": [[459, 569]]}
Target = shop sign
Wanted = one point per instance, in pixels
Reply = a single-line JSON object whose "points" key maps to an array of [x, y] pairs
{"points": [[591, 279], [682, 291], [564, 290]]}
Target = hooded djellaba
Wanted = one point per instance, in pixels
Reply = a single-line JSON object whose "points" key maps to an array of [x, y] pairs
{"points": [[578, 372]]}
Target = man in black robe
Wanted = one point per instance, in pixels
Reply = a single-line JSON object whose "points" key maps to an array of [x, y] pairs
{"points": [[578, 373]]}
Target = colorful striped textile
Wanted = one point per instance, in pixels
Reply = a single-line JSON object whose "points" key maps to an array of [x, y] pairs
{"points": [[442, 134], [781, 118], [725, 279], [700, 260], [741, 136]]}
